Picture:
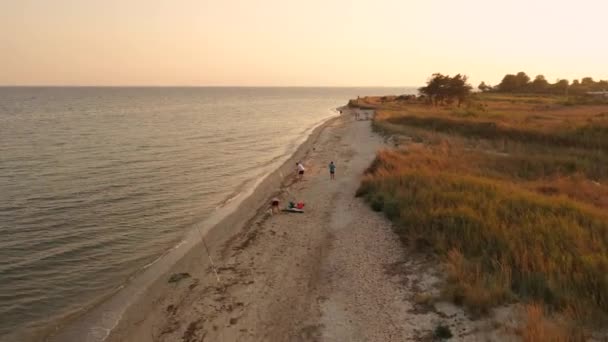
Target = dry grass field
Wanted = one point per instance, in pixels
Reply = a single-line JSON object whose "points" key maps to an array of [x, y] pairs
{"points": [[510, 192]]}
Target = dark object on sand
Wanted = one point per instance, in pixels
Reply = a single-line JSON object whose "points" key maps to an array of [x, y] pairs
{"points": [[442, 332], [176, 277], [294, 210]]}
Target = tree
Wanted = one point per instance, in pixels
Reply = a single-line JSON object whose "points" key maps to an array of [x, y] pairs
{"points": [[522, 79], [484, 87], [560, 87], [443, 88], [508, 83], [514, 83], [587, 81], [576, 88], [458, 88], [435, 88], [539, 85], [520, 82]]}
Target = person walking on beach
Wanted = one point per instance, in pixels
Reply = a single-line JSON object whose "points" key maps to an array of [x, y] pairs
{"points": [[332, 170], [300, 169]]}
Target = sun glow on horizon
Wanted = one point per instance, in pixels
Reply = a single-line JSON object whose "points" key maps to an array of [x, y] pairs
{"points": [[313, 43]]}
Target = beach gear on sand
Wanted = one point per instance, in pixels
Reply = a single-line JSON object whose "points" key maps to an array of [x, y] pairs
{"points": [[295, 207], [294, 210]]}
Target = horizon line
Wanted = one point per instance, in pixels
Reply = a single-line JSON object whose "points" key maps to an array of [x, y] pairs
{"points": [[192, 86]]}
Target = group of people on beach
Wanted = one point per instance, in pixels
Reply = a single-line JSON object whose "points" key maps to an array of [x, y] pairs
{"points": [[274, 206]]}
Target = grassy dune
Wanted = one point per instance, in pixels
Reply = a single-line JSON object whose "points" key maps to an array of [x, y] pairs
{"points": [[590, 135], [511, 196]]}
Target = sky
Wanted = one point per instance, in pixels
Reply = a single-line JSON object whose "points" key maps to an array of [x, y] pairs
{"points": [[297, 43]]}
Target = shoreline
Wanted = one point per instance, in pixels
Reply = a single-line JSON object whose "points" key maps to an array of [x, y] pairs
{"points": [[315, 276], [97, 321], [336, 272]]}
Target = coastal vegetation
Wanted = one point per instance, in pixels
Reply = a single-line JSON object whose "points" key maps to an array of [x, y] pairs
{"points": [[443, 89], [521, 83], [509, 190]]}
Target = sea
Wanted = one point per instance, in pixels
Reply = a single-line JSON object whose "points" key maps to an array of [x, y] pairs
{"points": [[96, 183]]}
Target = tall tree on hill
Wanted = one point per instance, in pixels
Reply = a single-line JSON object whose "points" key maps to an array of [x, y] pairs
{"points": [[442, 89], [435, 88], [458, 88]]}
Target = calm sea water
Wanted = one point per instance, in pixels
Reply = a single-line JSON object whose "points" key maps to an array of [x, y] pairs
{"points": [[95, 183]]}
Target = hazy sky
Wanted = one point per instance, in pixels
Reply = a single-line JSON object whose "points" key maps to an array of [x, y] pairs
{"points": [[297, 43]]}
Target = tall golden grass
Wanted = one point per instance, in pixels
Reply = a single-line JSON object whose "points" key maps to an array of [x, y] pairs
{"points": [[539, 328], [517, 206], [500, 241]]}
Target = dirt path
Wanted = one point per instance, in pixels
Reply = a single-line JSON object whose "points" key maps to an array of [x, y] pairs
{"points": [[335, 273]]}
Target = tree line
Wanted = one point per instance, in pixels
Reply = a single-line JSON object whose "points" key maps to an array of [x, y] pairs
{"points": [[445, 89], [521, 83]]}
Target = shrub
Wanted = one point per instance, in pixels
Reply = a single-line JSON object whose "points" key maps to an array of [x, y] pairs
{"points": [[377, 203], [442, 332]]}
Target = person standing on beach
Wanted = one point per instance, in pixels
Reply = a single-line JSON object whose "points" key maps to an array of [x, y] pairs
{"points": [[332, 170], [274, 206], [300, 169]]}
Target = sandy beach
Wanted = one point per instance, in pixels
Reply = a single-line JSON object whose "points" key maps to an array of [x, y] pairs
{"points": [[334, 273], [167, 171]]}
